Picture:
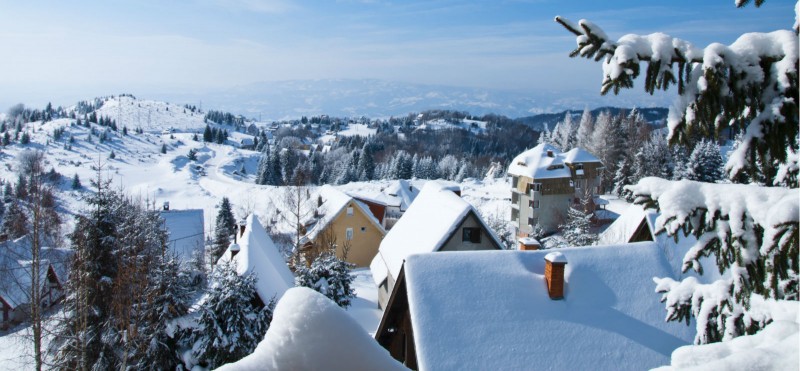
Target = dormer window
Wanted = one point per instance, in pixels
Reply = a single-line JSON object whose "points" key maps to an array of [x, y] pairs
{"points": [[550, 153], [553, 167]]}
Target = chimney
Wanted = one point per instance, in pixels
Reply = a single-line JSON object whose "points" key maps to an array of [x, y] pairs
{"points": [[242, 227], [554, 274], [529, 243], [234, 249]]}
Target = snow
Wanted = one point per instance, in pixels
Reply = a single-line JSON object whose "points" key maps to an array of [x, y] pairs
{"points": [[151, 116], [186, 234], [490, 309], [357, 129], [556, 257], [258, 254], [773, 348], [579, 155], [15, 269], [535, 163], [310, 332], [425, 227]]}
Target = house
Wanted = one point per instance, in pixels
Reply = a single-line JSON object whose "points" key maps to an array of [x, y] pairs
{"points": [[546, 183], [255, 252], [581, 308], [394, 200], [16, 278], [186, 230], [346, 222], [438, 220]]}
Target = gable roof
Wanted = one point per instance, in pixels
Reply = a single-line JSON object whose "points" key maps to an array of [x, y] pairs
{"points": [[258, 254], [425, 227], [403, 192], [490, 309], [635, 220], [535, 163], [333, 202], [579, 155], [186, 232], [15, 269]]}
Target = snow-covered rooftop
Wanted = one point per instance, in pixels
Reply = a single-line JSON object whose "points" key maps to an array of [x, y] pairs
{"points": [[258, 254], [404, 192], [310, 332], [15, 269], [490, 310], [536, 163], [425, 227], [579, 155], [186, 233]]}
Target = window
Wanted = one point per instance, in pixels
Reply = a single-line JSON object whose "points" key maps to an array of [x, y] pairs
{"points": [[363, 229], [536, 187], [349, 211], [471, 235], [349, 234], [535, 204], [533, 221]]}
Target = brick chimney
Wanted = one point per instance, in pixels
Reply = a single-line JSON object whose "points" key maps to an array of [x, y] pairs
{"points": [[234, 249], [554, 274], [529, 243]]}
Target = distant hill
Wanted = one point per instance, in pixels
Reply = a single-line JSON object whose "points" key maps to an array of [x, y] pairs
{"points": [[655, 116]]}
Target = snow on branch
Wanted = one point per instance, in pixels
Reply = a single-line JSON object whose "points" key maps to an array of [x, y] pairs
{"points": [[750, 85]]}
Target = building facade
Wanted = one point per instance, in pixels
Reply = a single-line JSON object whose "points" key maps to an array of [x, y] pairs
{"points": [[545, 183]]}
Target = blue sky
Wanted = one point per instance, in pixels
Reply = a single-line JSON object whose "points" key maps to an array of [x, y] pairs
{"points": [[69, 50]]}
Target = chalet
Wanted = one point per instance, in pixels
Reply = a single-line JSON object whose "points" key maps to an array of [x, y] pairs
{"points": [[389, 204], [438, 220], [186, 230], [16, 278], [546, 183], [346, 222], [255, 252], [581, 308]]}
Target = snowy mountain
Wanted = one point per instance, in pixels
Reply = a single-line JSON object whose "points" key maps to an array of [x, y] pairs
{"points": [[381, 98]]}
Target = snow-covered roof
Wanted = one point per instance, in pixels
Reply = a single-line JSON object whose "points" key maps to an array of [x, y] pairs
{"points": [[425, 227], [535, 163], [333, 202], [186, 232], [15, 269], [258, 254], [623, 229], [579, 155], [311, 332], [490, 310], [404, 192]]}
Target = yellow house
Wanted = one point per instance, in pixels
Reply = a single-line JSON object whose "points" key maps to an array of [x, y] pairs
{"points": [[347, 224]]}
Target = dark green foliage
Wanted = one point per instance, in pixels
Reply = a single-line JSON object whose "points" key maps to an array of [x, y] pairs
{"points": [[76, 182], [329, 276], [224, 228], [164, 148]]}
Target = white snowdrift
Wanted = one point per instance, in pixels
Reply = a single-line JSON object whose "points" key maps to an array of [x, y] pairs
{"points": [[310, 332], [773, 348]]}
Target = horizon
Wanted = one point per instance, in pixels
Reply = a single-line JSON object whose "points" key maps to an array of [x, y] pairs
{"points": [[65, 52]]}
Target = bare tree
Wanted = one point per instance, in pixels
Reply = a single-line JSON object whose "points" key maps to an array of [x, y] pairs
{"points": [[297, 209]]}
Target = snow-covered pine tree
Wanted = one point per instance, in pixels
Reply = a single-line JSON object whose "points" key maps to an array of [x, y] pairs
{"points": [[224, 228], [750, 86], [231, 321], [705, 163], [576, 229], [624, 177], [167, 298], [585, 129], [366, 163], [545, 136], [654, 159], [565, 133], [329, 276]]}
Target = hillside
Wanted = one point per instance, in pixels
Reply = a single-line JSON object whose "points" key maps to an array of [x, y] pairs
{"points": [[656, 116]]}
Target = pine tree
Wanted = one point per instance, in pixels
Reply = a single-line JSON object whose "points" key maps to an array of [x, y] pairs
{"points": [[624, 177], [330, 276], [207, 136], [585, 128], [230, 324], [224, 228], [739, 87], [705, 163], [76, 182], [576, 230], [192, 155], [164, 148], [366, 163]]}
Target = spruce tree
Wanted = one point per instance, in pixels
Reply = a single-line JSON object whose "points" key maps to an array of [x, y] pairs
{"points": [[751, 87], [224, 228], [231, 323], [329, 276], [705, 163], [207, 135], [576, 230]]}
